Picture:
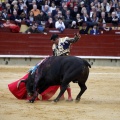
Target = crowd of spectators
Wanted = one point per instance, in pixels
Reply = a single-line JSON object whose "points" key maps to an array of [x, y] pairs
{"points": [[62, 14]]}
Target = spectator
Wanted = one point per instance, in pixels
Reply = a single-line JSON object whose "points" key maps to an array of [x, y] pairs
{"points": [[87, 20], [23, 16], [16, 18], [14, 3], [57, 2], [1, 17], [35, 11], [29, 4], [16, 8], [79, 20], [50, 23], [34, 3], [30, 19], [115, 3], [5, 2], [45, 9], [55, 12], [53, 6], [13, 27], [25, 10], [41, 17], [77, 2], [105, 5], [80, 6], [103, 18], [115, 20], [59, 15], [98, 9], [118, 13], [39, 4], [93, 10], [20, 5], [96, 2], [49, 15], [83, 30], [83, 10], [8, 9], [32, 29], [47, 2], [105, 28], [75, 12], [68, 18], [109, 18], [60, 24], [94, 19], [1, 7], [71, 4], [94, 30], [40, 27], [64, 10], [73, 25], [5, 15]]}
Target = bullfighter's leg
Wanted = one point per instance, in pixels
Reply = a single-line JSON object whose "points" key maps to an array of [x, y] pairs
{"points": [[83, 88], [69, 93]]}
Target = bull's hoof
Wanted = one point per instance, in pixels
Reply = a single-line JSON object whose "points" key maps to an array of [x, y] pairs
{"points": [[77, 100], [31, 101], [56, 100], [53, 102]]}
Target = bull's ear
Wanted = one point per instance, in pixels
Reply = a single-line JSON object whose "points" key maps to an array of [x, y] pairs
{"points": [[18, 84]]}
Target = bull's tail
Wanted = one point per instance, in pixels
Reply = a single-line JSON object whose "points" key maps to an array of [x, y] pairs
{"points": [[86, 63]]}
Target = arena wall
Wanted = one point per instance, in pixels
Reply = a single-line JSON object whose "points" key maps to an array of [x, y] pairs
{"points": [[28, 49], [31, 60]]}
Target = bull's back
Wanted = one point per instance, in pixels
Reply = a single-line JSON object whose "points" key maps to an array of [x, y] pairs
{"points": [[58, 66], [61, 61]]}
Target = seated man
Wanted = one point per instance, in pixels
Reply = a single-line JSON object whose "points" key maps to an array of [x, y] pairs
{"points": [[83, 30], [60, 24], [32, 29], [73, 25], [105, 28], [94, 30]]}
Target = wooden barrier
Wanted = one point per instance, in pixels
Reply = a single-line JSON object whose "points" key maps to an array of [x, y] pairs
{"points": [[40, 44]]}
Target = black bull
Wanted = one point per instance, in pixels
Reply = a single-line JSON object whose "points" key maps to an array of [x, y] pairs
{"points": [[59, 70]]}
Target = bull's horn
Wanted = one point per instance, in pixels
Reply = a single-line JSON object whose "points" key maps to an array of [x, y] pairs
{"points": [[18, 84]]}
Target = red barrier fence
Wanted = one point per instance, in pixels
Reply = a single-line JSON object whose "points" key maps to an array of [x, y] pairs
{"points": [[40, 44]]}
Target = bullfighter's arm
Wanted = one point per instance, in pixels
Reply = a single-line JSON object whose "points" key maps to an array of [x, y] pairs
{"points": [[75, 39]]}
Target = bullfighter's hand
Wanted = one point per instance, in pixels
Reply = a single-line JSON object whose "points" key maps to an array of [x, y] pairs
{"points": [[77, 36]]}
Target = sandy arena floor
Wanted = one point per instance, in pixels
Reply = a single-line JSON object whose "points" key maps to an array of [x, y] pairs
{"points": [[101, 101]]}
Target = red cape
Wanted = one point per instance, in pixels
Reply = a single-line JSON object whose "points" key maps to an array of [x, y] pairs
{"points": [[21, 93]]}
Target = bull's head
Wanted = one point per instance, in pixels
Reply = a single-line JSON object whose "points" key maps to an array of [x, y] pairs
{"points": [[29, 83]]}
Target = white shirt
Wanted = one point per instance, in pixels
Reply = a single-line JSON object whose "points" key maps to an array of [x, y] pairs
{"points": [[59, 25]]}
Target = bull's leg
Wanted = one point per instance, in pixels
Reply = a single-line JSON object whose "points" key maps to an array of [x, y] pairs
{"points": [[83, 88], [38, 92], [62, 90], [34, 97]]}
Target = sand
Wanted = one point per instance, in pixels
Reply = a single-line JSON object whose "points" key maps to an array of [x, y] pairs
{"points": [[101, 101]]}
